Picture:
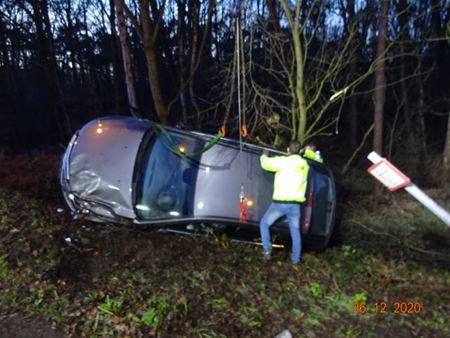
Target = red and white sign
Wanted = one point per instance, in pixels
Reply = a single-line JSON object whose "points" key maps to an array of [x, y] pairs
{"points": [[394, 179], [389, 175]]}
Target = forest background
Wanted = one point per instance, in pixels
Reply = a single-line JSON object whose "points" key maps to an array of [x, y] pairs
{"points": [[335, 72]]}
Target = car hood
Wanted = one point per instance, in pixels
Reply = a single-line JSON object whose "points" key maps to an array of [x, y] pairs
{"points": [[100, 164]]}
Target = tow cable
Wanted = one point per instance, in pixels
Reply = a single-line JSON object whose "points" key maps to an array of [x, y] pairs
{"points": [[243, 215], [181, 151]]}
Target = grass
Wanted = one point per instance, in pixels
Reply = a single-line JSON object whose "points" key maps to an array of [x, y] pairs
{"points": [[114, 281], [162, 308], [9, 293]]}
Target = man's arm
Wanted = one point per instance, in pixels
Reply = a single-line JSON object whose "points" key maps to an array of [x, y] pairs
{"points": [[271, 163]]}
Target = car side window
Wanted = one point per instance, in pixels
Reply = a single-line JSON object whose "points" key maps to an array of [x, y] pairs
{"points": [[168, 178]]}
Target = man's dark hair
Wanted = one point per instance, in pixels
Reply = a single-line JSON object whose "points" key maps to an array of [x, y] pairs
{"points": [[294, 147]]}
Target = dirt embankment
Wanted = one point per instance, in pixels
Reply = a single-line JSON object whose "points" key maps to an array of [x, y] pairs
{"points": [[61, 277]]}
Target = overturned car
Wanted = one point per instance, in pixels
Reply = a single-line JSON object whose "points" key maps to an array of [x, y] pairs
{"points": [[132, 171]]}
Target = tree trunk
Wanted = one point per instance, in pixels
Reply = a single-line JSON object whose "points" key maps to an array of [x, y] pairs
{"points": [[155, 85], [181, 52], [163, 46], [151, 54], [120, 100], [197, 50], [299, 104], [70, 41], [403, 19], [274, 21], [58, 114], [126, 58], [10, 127], [446, 155], [55, 83], [380, 78], [194, 18], [421, 136], [148, 31]]}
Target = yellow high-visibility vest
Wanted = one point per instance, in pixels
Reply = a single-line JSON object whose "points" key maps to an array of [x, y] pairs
{"points": [[313, 155], [291, 175]]}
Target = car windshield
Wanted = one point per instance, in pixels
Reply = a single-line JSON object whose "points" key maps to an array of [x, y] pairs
{"points": [[167, 179]]}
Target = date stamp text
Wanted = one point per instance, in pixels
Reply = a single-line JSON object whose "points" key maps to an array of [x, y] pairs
{"points": [[397, 307]]}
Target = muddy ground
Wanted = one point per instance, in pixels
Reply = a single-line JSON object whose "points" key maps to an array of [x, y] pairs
{"points": [[387, 274]]}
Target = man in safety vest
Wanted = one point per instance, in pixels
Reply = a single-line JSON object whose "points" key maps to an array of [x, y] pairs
{"points": [[310, 152], [291, 174]]}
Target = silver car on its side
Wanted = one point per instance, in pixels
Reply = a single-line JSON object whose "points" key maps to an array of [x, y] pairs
{"points": [[133, 171]]}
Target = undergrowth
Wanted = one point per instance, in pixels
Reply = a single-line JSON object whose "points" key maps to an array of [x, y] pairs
{"points": [[111, 281]]}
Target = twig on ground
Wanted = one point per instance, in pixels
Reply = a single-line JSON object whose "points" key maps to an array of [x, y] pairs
{"points": [[428, 252], [371, 230], [335, 283]]}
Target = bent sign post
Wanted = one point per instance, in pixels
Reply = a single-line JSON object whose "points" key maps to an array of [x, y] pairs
{"points": [[394, 179]]}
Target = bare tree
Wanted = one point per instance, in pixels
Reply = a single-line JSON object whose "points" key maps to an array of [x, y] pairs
{"points": [[120, 101], [298, 107], [198, 43], [194, 11], [307, 66], [181, 6], [40, 15], [127, 62], [191, 44], [148, 27], [402, 9]]}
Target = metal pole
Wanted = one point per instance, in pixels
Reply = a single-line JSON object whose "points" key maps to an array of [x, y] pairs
{"points": [[429, 203], [423, 198]]}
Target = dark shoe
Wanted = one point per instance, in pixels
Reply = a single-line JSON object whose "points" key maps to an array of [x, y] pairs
{"points": [[266, 256]]}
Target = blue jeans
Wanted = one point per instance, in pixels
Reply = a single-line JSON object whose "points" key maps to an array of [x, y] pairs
{"points": [[292, 212]]}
